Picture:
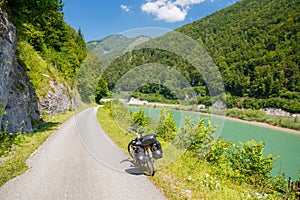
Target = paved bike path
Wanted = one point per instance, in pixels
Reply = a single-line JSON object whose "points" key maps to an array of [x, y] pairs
{"points": [[79, 162]]}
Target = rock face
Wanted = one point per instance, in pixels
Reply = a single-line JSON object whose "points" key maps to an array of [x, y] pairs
{"points": [[57, 100], [17, 96]]}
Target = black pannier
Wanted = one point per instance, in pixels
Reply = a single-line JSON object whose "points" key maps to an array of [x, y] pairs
{"points": [[148, 139], [156, 150], [139, 154]]}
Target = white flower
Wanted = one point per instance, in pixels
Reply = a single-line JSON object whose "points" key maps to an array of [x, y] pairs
{"points": [[207, 175]]}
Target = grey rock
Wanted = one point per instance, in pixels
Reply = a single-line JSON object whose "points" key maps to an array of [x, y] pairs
{"points": [[57, 100], [279, 112], [17, 96]]}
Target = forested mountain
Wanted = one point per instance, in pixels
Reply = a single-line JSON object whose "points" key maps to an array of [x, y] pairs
{"points": [[114, 45], [255, 44]]}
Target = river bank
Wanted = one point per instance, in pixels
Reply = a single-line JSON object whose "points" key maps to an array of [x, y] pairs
{"points": [[197, 109]]}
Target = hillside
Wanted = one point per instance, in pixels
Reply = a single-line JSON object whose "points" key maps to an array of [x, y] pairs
{"points": [[255, 44], [114, 45], [46, 53]]}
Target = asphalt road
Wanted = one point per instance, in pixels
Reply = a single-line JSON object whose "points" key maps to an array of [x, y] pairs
{"points": [[79, 162]]}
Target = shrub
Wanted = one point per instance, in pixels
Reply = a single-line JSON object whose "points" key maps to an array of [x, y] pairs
{"points": [[198, 138], [139, 118], [166, 127], [248, 160]]}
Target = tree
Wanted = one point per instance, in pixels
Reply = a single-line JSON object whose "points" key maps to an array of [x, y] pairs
{"points": [[101, 90]]}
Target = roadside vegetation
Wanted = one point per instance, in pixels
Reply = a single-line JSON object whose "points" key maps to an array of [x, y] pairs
{"points": [[15, 149], [208, 168]]}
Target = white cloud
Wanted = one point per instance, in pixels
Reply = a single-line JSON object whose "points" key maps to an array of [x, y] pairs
{"points": [[125, 8], [169, 10]]}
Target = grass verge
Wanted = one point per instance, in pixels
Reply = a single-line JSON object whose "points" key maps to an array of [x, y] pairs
{"points": [[188, 177]]}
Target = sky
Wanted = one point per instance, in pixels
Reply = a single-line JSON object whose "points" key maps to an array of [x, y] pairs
{"points": [[101, 18]]}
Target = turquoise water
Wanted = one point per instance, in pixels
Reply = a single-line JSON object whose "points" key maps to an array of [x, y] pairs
{"points": [[281, 143]]}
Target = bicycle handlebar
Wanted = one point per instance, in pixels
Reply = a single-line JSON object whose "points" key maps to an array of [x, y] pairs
{"points": [[135, 129]]}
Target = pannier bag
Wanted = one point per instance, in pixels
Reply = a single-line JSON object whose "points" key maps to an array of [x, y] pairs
{"points": [[156, 150], [148, 139], [139, 154]]}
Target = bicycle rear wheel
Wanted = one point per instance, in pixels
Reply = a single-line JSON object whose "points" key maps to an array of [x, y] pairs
{"points": [[149, 166]]}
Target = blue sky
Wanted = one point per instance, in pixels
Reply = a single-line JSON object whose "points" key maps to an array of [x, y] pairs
{"points": [[101, 18]]}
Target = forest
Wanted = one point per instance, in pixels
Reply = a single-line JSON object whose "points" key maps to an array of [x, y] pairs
{"points": [[255, 45], [47, 46]]}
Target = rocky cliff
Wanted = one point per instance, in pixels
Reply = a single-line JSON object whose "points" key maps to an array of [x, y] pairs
{"points": [[57, 100], [17, 96]]}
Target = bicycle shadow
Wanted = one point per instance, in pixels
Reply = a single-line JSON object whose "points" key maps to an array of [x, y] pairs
{"points": [[134, 168]]}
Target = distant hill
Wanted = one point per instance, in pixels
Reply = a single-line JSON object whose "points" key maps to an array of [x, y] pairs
{"points": [[114, 45]]}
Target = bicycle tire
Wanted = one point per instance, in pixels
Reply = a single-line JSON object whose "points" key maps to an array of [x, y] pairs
{"points": [[150, 171], [130, 149]]}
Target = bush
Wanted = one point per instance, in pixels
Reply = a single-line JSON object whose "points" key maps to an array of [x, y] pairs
{"points": [[244, 162], [198, 138], [167, 127], [249, 161], [139, 118]]}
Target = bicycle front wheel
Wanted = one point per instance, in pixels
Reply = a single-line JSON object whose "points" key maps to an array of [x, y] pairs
{"points": [[130, 150]]}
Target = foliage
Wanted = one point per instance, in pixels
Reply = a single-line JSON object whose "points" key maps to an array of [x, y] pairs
{"points": [[153, 97], [88, 77], [101, 90], [247, 114], [196, 137], [166, 129], [249, 160], [260, 116], [41, 24], [158, 89], [6, 141], [37, 68], [139, 118], [2, 110], [254, 44], [114, 45]]}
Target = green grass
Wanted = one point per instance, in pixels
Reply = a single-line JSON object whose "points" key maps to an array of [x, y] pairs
{"points": [[38, 69], [189, 177], [13, 161]]}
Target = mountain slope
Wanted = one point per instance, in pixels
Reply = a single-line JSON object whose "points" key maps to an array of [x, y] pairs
{"points": [[255, 44], [114, 45]]}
